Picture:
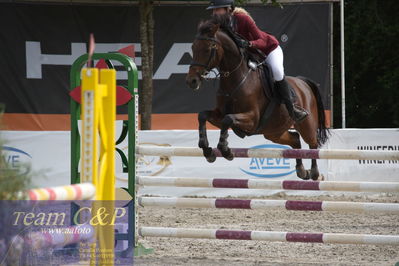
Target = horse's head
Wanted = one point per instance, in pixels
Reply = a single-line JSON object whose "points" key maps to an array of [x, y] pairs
{"points": [[207, 53]]}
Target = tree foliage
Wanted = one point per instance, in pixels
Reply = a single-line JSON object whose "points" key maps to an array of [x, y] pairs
{"points": [[243, 2], [371, 63]]}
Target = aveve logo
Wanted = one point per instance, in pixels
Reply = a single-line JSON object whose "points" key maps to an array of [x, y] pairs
{"points": [[269, 167], [15, 158]]}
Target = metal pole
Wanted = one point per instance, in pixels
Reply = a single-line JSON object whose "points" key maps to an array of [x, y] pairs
{"points": [[343, 66], [331, 63]]}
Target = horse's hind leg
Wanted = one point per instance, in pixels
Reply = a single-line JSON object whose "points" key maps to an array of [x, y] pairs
{"points": [[310, 138], [292, 139], [301, 172], [314, 171]]}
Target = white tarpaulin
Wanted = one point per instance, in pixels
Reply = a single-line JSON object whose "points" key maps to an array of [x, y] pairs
{"points": [[50, 152]]}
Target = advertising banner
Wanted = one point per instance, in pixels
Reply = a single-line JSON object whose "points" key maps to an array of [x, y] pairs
{"points": [[41, 41], [48, 153]]}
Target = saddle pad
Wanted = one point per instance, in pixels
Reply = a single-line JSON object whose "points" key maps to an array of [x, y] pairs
{"points": [[269, 84]]}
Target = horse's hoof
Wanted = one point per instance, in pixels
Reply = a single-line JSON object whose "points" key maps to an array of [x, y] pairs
{"points": [[305, 176], [209, 154], [314, 177], [308, 175], [226, 152], [302, 173], [314, 174], [211, 158], [229, 156]]}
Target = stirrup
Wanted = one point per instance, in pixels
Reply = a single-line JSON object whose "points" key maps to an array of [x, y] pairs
{"points": [[299, 110]]}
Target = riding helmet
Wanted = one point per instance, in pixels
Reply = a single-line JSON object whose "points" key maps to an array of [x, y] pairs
{"points": [[220, 3]]}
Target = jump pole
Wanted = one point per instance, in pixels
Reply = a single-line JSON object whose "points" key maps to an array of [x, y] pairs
{"points": [[387, 187], [257, 204], [60, 237], [269, 235], [273, 153], [83, 191], [272, 236]]}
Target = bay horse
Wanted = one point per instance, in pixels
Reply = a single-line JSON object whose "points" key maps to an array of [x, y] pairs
{"points": [[241, 100]]}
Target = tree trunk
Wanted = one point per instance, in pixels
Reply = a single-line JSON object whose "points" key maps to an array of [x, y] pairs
{"points": [[147, 56]]}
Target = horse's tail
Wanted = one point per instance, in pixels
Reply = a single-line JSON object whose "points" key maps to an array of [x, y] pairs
{"points": [[323, 132]]}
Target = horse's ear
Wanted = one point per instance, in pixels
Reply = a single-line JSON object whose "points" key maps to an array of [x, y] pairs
{"points": [[200, 25], [214, 29]]}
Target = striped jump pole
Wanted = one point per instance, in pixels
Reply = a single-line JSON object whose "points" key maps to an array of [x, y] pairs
{"points": [[256, 204], [81, 191], [60, 236], [388, 187], [273, 153], [326, 238]]}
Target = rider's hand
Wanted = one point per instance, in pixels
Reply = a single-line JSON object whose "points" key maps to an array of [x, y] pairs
{"points": [[245, 44]]}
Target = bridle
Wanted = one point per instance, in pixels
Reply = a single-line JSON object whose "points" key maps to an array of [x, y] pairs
{"points": [[214, 47], [223, 74]]}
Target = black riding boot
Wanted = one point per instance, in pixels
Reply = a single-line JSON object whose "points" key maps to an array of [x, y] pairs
{"points": [[295, 113]]}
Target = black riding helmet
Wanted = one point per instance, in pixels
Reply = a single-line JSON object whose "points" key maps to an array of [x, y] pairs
{"points": [[220, 3]]}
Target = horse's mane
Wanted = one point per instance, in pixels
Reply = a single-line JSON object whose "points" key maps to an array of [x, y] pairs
{"points": [[206, 26]]}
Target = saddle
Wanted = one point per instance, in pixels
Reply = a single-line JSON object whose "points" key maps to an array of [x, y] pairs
{"points": [[268, 82]]}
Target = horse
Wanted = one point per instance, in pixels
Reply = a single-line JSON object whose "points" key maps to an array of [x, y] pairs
{"points": [[241, 100]]}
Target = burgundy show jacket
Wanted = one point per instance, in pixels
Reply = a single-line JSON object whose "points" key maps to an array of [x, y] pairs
{"points": [[246, 27]]}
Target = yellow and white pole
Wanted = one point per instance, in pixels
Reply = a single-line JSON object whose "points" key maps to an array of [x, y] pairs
{"points": [[98, 157]]}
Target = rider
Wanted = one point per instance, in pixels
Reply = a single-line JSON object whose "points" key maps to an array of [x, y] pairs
{"points": [[245, 26]]}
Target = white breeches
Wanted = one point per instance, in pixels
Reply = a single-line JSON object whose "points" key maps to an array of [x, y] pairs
{"points": [[275, 60]]}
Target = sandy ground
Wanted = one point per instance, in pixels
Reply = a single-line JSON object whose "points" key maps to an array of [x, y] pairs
{"points": [[173, 251]]}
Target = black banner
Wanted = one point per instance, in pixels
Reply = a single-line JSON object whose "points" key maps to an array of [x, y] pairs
{"points": [[39, 42]]}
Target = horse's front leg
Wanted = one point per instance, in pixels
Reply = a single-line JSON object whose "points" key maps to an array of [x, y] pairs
{"points": [[243, 121], [203, 138]]}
